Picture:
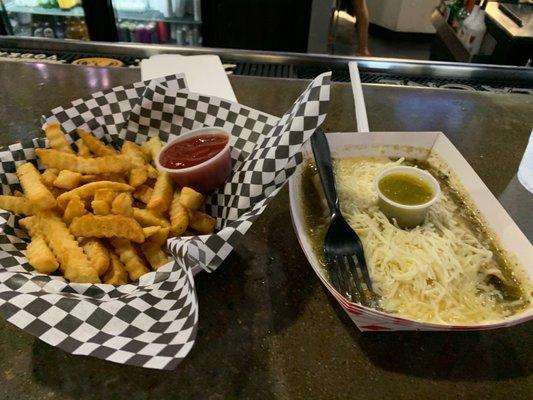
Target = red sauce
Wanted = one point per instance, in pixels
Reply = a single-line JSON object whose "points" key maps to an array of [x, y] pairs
{"points": [[193, 151]]}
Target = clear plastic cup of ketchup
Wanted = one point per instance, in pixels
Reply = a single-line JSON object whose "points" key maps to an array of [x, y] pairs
{"points": [[200, 159]]}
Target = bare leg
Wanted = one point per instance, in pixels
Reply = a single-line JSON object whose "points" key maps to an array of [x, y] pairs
{"points": [[361, 13]]}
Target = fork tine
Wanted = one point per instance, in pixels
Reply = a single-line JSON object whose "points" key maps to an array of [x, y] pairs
{"points": [[364, 271], [355, 276], [333, 273], [345, 277]]}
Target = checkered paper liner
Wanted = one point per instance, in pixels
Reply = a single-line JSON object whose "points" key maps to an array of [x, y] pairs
{"points": [[152, 323]]}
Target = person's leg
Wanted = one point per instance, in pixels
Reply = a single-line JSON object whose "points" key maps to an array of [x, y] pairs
{"points": [[361, 14]]}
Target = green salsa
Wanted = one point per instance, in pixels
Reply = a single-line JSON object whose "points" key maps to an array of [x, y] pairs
{"points": [[405, 188]]}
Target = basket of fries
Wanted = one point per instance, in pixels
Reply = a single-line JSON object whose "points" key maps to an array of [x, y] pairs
{"points": [[100, 248]]}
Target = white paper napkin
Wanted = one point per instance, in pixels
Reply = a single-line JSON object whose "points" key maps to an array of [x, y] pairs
{"points": [[204, 74]]}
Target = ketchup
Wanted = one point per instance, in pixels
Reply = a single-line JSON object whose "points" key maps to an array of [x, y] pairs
{"points": [[193, 151]]}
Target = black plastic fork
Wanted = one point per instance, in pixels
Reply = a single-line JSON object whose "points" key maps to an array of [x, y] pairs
{"points": [[343, 249]]}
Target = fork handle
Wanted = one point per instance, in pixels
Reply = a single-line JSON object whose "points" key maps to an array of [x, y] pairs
{"points": [[319, 144]]}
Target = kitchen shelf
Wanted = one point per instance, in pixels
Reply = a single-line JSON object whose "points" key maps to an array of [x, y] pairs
{"points": [[73, 12]]}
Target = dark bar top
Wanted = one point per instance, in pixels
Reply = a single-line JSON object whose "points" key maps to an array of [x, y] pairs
{"points": [[268, 329]]}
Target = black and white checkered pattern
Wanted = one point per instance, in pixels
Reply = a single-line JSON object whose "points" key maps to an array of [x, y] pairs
{"points": [[152, 323]]}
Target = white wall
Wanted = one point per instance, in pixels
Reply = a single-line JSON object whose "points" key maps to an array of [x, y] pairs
{"points": [[403, 15]]}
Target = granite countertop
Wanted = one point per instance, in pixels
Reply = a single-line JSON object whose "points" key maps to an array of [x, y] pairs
{"points": [[268, 329]]}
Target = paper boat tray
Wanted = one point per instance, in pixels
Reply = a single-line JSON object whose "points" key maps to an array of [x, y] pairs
{"points": [[152, 323], [418, 145]]}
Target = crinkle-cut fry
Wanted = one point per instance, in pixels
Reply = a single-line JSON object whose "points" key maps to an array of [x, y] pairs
{"points": [[151, 171], [143, 193], [109, 226], [191, 199], [98, 165], [49, 176], [83, 149], [160, 237], [90, 178], [116, 273], [138, 176], [179, 216], [97, 253], [122, 204], [162, 194], [15, 204], [152, 147], [89, 190], [40, 256], [67, 179], [133, 263], [73, 262], [154, 254], [100, 207], [94, 144], [201, 222], [135, 154], [147, 217], [36, 192], [75, 208], [150, 230], [57, 139], [105, 194]]}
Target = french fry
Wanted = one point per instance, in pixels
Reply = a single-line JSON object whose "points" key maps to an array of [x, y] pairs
{"points": [[109, 226], [97, 253], [89, 178], [89, 190], [40, 256], [49, 176], [179, 217], [18, 193], [100, 207], [122, 204], [98, 165], [138, 176], [105, 194], [116, 273], [150, 230], [152, 147], [154, 254], [162, 194], [201, 222], [94, 144], [75, 208], [134, 153], [134, 264], [83, 149], [151, 171], [191, 199], [143, 193], [160, 237], [38, 253], [15, 204], [57, 139], [72, 260], [147, 217], [67, 179], [36, 192]]}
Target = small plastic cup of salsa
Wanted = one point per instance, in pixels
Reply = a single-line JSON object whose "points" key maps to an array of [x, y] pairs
{"points": [[409, 195], [199, 159]]}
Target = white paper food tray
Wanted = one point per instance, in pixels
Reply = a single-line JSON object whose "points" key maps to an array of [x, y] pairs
{"points": [[401, 144]]}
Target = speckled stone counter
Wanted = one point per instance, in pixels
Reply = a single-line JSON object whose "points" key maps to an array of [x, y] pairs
{"points": [[267, 327]]}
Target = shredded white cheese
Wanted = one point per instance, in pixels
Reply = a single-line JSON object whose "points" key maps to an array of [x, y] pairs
{"points": [[436, 272]]}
